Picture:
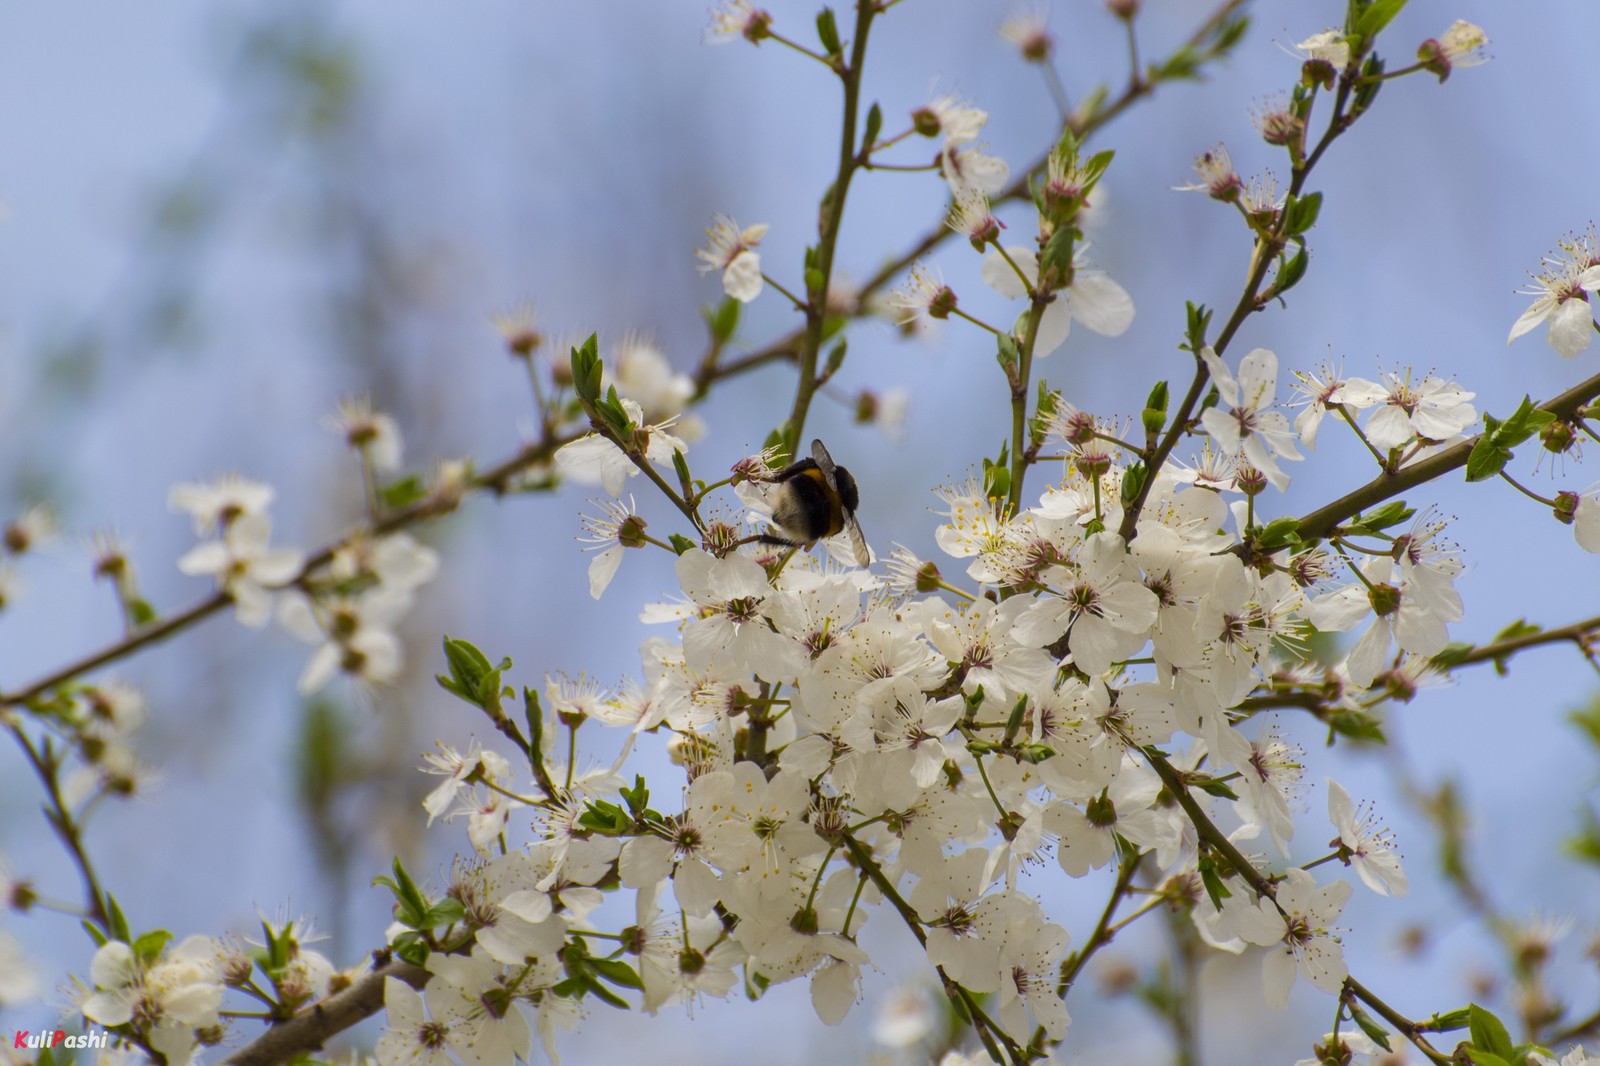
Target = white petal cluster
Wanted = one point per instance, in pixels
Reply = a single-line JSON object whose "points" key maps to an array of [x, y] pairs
{"points": [[830, 724], [232, 513]]}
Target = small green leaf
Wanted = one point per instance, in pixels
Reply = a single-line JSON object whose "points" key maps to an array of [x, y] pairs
{"points": [[1290, 272], [1357, 725], [398, 495], [1212, 787], [1524, 422], [1007, 353], [1301, 214], [147, 948], [1377, 1033], [1133, 480], [1376, 17], [411, 947], [723, 319], [828, 31], [1486, 459], [836, 357], [1450, 1019], [681, 543], [1488, 1032], [119, 924], [587, 370], [617, 972], [874, 125], [1213, 884], [1392, 513], [1279, 532]]}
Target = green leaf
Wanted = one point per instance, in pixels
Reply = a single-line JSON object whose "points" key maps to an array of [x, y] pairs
{"points": [[637, 797], [1007, 353], [1214, 886], [1290, 272], [1486, 459], [1452, 655], [147, 949], [413, 908], [1524, 422], [99, 938], [604, 994], [1587, 719], [1451, 1019], [119, 924], [1486, 1058], [617, 972], [411, 947], [468, 667], [1377, 1033], [1584, 845], [605, 818], [533, 715], [1488, 1032], [1056, 261], [836, 357], [445, 912], [1133, 480], [828, 31], [681, 543], [873, 127], [723, 319], [1212, 787], [140, 612], [1198, 320], [1376, 17], [398, 495], [1357, 725], [587, 370], [1279, 532], [1301, 214], [680, 466], [1392, 513]]}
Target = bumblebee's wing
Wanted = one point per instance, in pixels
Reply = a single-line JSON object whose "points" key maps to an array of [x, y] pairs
{"points": [[824, 463], [858, 540]]}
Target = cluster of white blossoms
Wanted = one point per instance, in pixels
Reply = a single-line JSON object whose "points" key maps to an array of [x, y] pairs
{"points": [[348, 606], [171, 995], [850, 740]]}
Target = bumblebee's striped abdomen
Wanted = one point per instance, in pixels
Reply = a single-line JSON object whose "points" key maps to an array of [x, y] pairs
{"points": [[805, 508]]}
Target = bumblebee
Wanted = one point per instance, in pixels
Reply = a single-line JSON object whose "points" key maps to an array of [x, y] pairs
{"points": [[816, 499]]}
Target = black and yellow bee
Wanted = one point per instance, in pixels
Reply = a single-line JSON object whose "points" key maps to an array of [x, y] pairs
{"points": [[816, 499]]}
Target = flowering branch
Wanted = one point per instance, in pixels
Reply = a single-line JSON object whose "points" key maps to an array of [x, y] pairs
{"points": [[313, 1027], [1323, 520], [817, 283]]}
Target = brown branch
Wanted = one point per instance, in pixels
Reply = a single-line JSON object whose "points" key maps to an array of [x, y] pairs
{"points": [[791, 345], [314, 1026], [1323, 520], [1579, 633]]}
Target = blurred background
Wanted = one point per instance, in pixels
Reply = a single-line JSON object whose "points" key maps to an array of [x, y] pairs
{"points": [[223, 218]]}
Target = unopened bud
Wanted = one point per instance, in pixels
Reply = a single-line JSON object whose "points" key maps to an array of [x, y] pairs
{"points": [[1126, 10]]}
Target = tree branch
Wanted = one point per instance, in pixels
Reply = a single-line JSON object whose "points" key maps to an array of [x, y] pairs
{"points": [[314, 1026]]}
